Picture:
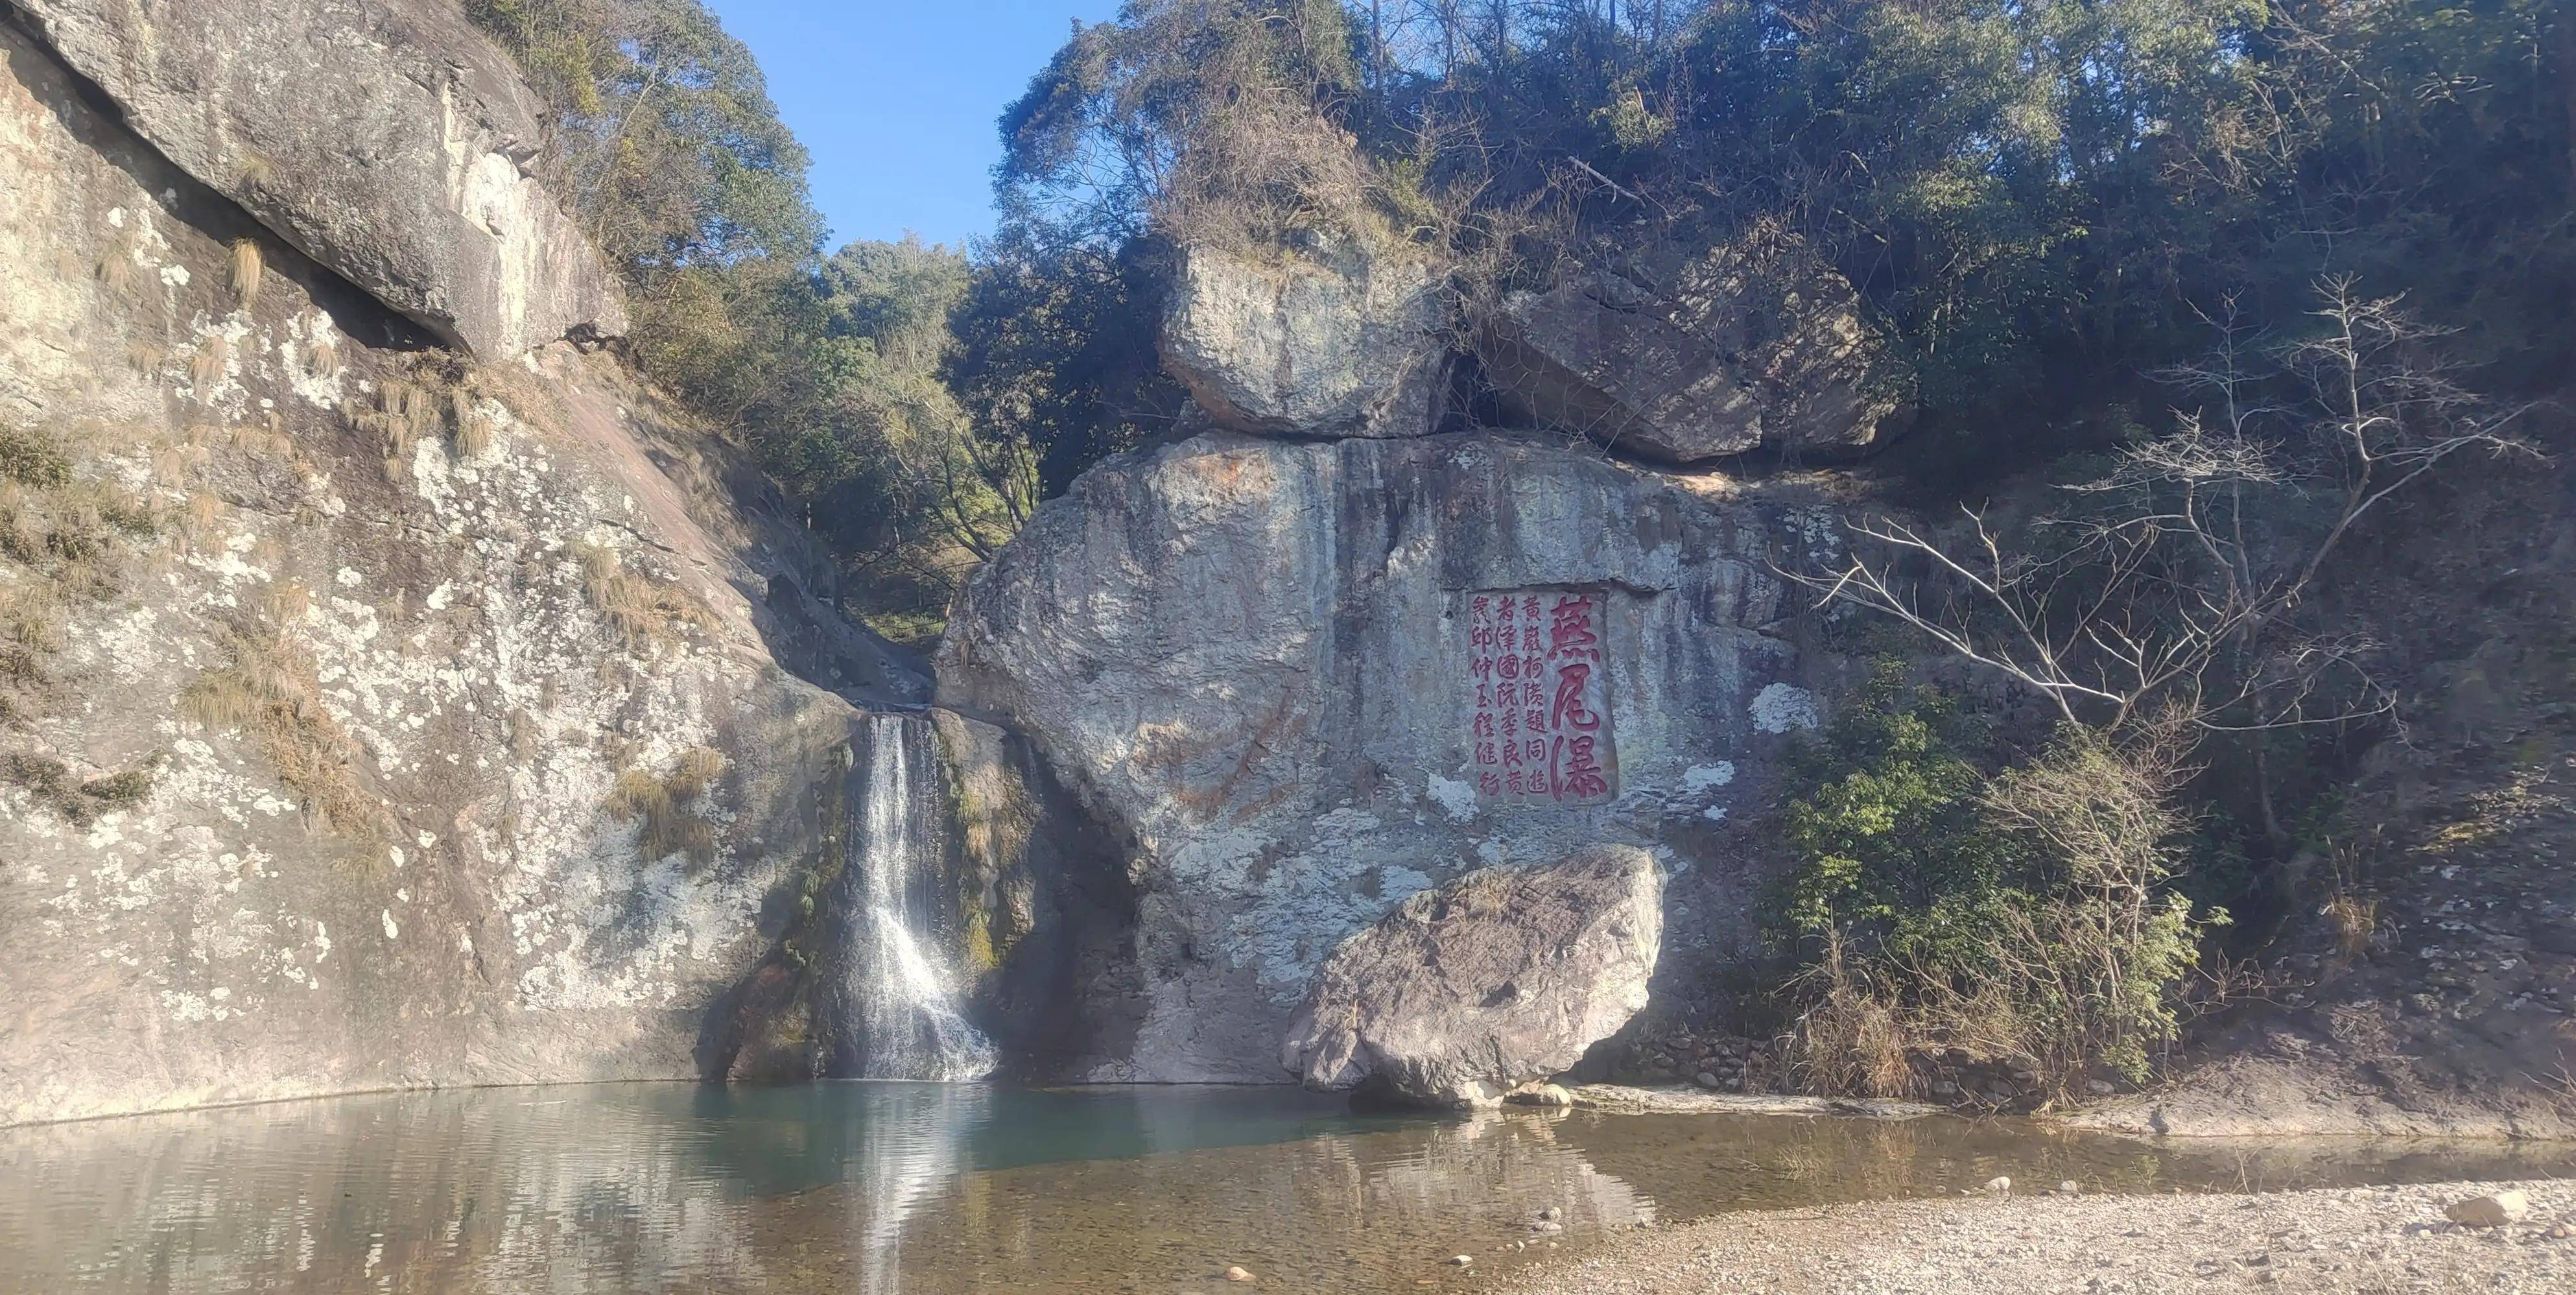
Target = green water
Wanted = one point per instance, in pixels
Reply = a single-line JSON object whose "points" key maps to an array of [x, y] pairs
{"points": [[948, 1188]]}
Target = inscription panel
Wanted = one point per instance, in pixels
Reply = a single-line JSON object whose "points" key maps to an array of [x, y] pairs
{"points": [[1538, 688]]}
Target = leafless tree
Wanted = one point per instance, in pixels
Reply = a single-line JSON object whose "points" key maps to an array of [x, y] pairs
{"points": [[2175, 583]]}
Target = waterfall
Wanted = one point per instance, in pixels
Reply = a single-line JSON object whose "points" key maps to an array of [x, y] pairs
{"points": [[901, 1016]]}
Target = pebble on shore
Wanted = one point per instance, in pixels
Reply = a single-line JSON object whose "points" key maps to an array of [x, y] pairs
{"points": [[2493, 1210], [2327, 1241]]}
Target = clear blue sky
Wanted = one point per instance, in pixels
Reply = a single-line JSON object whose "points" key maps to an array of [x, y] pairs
{"points": [[897, 100]]}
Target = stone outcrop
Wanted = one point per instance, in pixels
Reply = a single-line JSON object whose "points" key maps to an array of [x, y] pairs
{"points": [[1327, 339], [1684, 359], [1251, 661], [386, 139], [367, 718], [1498, 978]]}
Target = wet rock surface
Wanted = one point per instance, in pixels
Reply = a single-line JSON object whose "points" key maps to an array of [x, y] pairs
{"points": [[1470, 990]]}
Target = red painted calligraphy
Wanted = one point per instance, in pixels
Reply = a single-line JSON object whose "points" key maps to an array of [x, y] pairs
{"points": [[1538, 729]]}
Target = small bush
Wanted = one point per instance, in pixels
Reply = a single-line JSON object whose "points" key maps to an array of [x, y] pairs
{"points": [[2025, 915], [31, 458], [80, 802]]}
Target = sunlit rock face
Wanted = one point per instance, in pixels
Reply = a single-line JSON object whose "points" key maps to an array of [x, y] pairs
{"points": [[1328, 338], [387, 139], [1474, 988], [369, 719], [1685, 357], [1274, 671]]}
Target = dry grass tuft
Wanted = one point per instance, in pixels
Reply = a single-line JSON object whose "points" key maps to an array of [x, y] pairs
{"points": [[31, 628], [64, 529], [206, 368], [145, 358], [246, 265], [644, 611], [1851, 1041], [61, 537], [287, 604], [178, 464], [269, 693], [2354, 919], [266, 440], [403, 413], [665, 806], [256, 171], [322, 358], [471, 429], [697, 769], [115, 266], [440, 396]]}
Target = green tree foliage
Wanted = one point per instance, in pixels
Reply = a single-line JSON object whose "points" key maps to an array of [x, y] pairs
{"points": [[2030, 913], [2043, 202], [2040, 199], [1894, 852], [829, 368]]}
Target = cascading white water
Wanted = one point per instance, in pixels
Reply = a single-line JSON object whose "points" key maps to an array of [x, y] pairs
{"points": [[906, 1015]]}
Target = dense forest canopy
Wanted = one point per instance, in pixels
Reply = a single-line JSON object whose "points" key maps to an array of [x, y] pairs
{"points": [[2044, 203]]}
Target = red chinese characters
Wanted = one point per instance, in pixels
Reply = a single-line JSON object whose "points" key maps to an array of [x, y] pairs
{"points": [[1538, 689]]}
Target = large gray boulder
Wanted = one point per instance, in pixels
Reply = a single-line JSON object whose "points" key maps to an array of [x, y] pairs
{"points": [[1687, 358], [1329, 338], [1501, 977], [1255, 661], [386, 139]]}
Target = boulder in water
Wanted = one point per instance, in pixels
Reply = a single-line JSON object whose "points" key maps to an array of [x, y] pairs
{"points": [[1467, 991]]}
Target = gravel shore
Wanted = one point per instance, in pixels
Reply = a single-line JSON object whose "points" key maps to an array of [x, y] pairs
{"points": [[2371, 1239]]}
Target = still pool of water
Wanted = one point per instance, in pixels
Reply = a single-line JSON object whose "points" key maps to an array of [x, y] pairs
{"points": [[931, 1188]]}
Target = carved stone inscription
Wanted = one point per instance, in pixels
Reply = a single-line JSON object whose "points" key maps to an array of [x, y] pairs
{"points": [[1539, 696]]}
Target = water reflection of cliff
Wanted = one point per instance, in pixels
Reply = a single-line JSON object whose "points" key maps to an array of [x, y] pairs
{"points": [[933, 1189]]}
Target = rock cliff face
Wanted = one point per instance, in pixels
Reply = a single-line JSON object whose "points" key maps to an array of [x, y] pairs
{"points": [[1687, 358], [384, 138], [1300, 680], [393, 693], [368, 717]]}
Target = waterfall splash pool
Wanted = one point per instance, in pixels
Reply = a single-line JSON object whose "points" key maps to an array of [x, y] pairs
{"points": [[933, 1188]]}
